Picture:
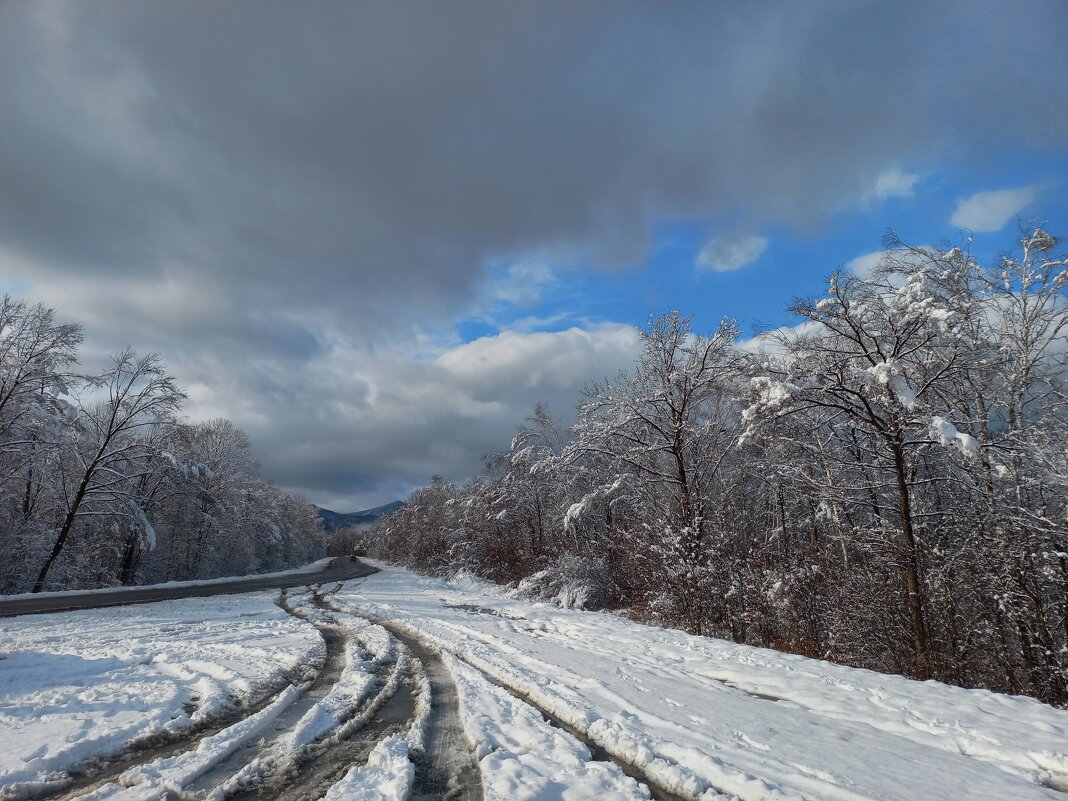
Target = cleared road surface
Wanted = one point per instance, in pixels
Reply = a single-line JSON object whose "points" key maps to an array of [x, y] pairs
{"points": [[340, 569]]}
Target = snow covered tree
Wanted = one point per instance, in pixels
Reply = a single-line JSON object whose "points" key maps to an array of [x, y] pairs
{"points": [[110, 451], [883, 484], [667, 429]]}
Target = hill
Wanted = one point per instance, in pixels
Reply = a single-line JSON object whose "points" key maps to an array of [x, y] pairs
{"points": [[332, 521]]}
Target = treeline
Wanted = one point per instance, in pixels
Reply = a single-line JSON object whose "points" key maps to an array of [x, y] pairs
{"points": [[883, 485], [102, 484]]}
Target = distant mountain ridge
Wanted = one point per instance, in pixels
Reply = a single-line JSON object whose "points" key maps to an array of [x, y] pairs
{"points": [[332, 521]]}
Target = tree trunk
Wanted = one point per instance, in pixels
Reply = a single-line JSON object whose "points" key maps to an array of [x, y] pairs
{"points": [[130, 558], [64, 532], [921, 668]]}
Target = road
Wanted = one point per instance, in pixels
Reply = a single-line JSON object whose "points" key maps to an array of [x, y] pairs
{"points": [[339, 569]]}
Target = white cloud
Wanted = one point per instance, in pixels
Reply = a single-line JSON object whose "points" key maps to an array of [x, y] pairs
{"points": [[558, 360], [731, 252], [894, 182], [863, 266], [523, 283], [989, 211]]}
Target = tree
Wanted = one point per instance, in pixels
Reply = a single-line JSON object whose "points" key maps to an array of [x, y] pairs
{"points": [[111, 452], [35, 353], [669, 427], [526, 489]]}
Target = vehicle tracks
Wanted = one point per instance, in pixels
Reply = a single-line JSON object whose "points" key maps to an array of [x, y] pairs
{"points": [[309, 772], [446, 768], [97, 773], [319, 688], [317, 767], [598, 753]]}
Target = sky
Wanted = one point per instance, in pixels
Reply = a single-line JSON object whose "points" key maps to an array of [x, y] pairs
{"points": [[374, 234]]}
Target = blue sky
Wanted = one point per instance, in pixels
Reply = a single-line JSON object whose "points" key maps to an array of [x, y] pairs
{"points": [[792, 263]]}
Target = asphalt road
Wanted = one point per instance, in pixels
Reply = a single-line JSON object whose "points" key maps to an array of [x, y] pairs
{"points": [[339, 569]]}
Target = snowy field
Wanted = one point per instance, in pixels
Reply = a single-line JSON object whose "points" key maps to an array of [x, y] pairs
{"points": [[708, 718], [697, 718], [77, 685]]}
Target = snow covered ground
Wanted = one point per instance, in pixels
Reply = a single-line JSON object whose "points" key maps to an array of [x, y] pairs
{"points": [[700, 718], [709, 719], [78, 685]]}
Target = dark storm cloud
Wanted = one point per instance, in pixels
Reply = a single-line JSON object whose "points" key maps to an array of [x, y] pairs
{"points": [[229, 181]]}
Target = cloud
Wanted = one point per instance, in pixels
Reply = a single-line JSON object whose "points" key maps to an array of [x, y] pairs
{"points": [[522, 284], [990, 211], [373, 425], [894, 182], [293, 203], [864, 265], [731, 252]]}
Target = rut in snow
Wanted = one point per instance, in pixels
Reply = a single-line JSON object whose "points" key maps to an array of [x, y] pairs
{"points": [[446, 769], [336, 646], [309, 771], [597, 752], [98, 772], [656, 792], [318, 766]]}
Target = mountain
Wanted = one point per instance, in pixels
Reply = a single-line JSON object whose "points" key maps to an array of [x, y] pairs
{"points": [[332, 521]]}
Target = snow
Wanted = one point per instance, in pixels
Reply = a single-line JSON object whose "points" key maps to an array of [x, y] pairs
{"points": [[159, 778], [770, 395], [889, 374], [357, 681], [80, 685], [947, 434], [387, 776], [368, 649], [700, 717], [523, 757], [708, 718]]}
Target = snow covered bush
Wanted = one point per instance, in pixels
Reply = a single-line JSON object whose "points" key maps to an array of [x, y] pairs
{"points": [[572, 582]]}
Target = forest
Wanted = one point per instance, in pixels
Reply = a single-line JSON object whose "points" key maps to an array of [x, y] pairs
{"points": [[882, 484], [102, 482]]}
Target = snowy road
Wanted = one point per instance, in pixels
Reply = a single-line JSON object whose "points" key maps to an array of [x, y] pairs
{"points": [[322, 571], [393, 686]]}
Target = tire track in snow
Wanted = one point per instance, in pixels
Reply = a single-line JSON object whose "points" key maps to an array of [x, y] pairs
{"points": [[656, 790], [92, 775], [597, 752], [336, 645], [309, 773], [318, 766], [446, 768], [328, 674]]}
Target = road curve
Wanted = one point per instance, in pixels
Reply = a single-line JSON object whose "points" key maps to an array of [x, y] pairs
{"points": [[340, 569]]}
